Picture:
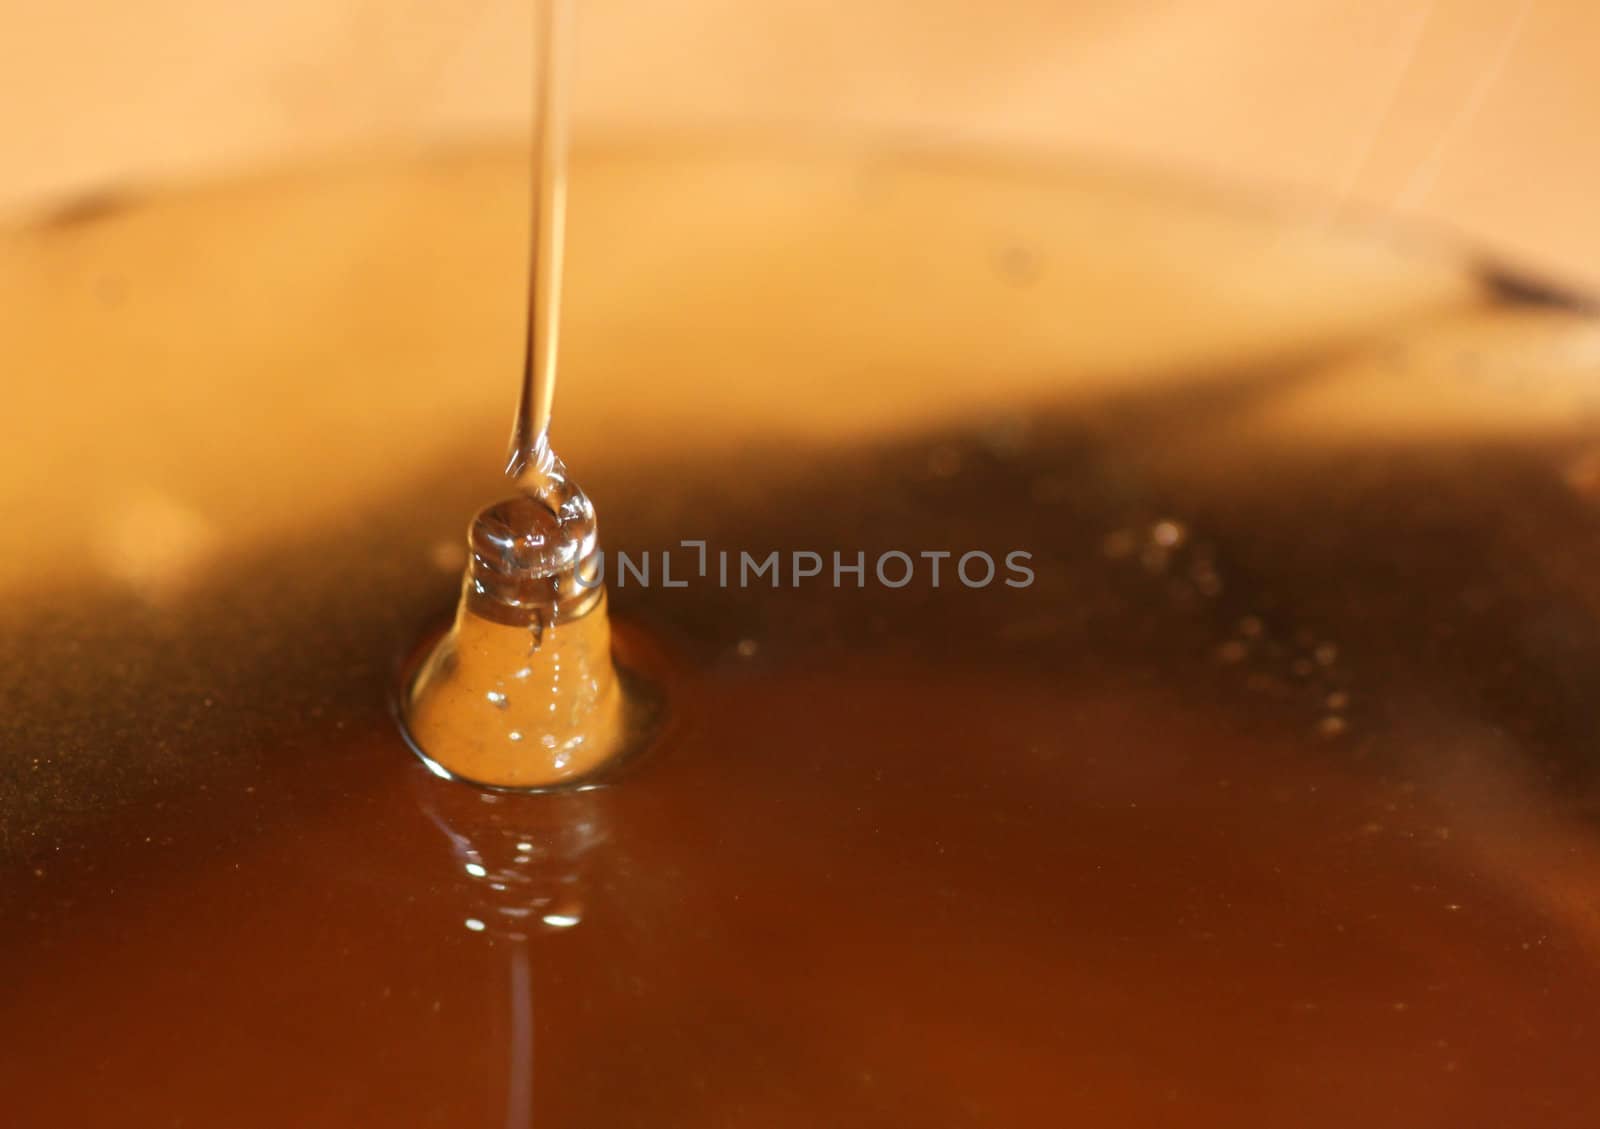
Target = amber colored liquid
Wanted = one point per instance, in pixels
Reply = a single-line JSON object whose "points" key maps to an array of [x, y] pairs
{"points": [[521, 691], [530, 432], [1271, 802], [491, 707]]}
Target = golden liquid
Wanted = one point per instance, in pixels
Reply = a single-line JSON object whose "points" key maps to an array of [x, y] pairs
{"points": [[1270, 803], [521, 691], [530, 433], [520, 716]]}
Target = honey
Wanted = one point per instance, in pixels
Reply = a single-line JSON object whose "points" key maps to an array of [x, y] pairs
{"points": [[1088, 851], [521, 692]]}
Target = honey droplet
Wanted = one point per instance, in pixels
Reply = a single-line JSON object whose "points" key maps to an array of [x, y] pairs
{"points": [[522, 691]]}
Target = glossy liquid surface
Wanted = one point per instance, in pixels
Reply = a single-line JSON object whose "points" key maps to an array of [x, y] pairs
{"points": [[1271, 801], [493, 706]]}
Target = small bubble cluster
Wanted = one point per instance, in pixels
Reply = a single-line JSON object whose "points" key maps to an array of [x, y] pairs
{"points": [[1274, 659]]}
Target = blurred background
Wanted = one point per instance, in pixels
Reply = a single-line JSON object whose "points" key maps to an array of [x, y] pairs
{"points": [[1469, 116]]}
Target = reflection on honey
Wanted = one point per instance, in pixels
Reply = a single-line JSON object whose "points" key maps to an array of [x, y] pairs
{"points": [[1269, 802]]}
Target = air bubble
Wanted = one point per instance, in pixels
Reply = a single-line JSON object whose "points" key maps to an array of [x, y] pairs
{"points": [[1232, 652], [1168, 534]]}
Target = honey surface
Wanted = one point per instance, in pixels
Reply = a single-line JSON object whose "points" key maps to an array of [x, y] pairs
{"points": [[1271, 802]]}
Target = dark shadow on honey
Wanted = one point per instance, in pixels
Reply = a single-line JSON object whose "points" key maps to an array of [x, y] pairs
{"points": [[246, 679], [245, 674], [1522, 288]]}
